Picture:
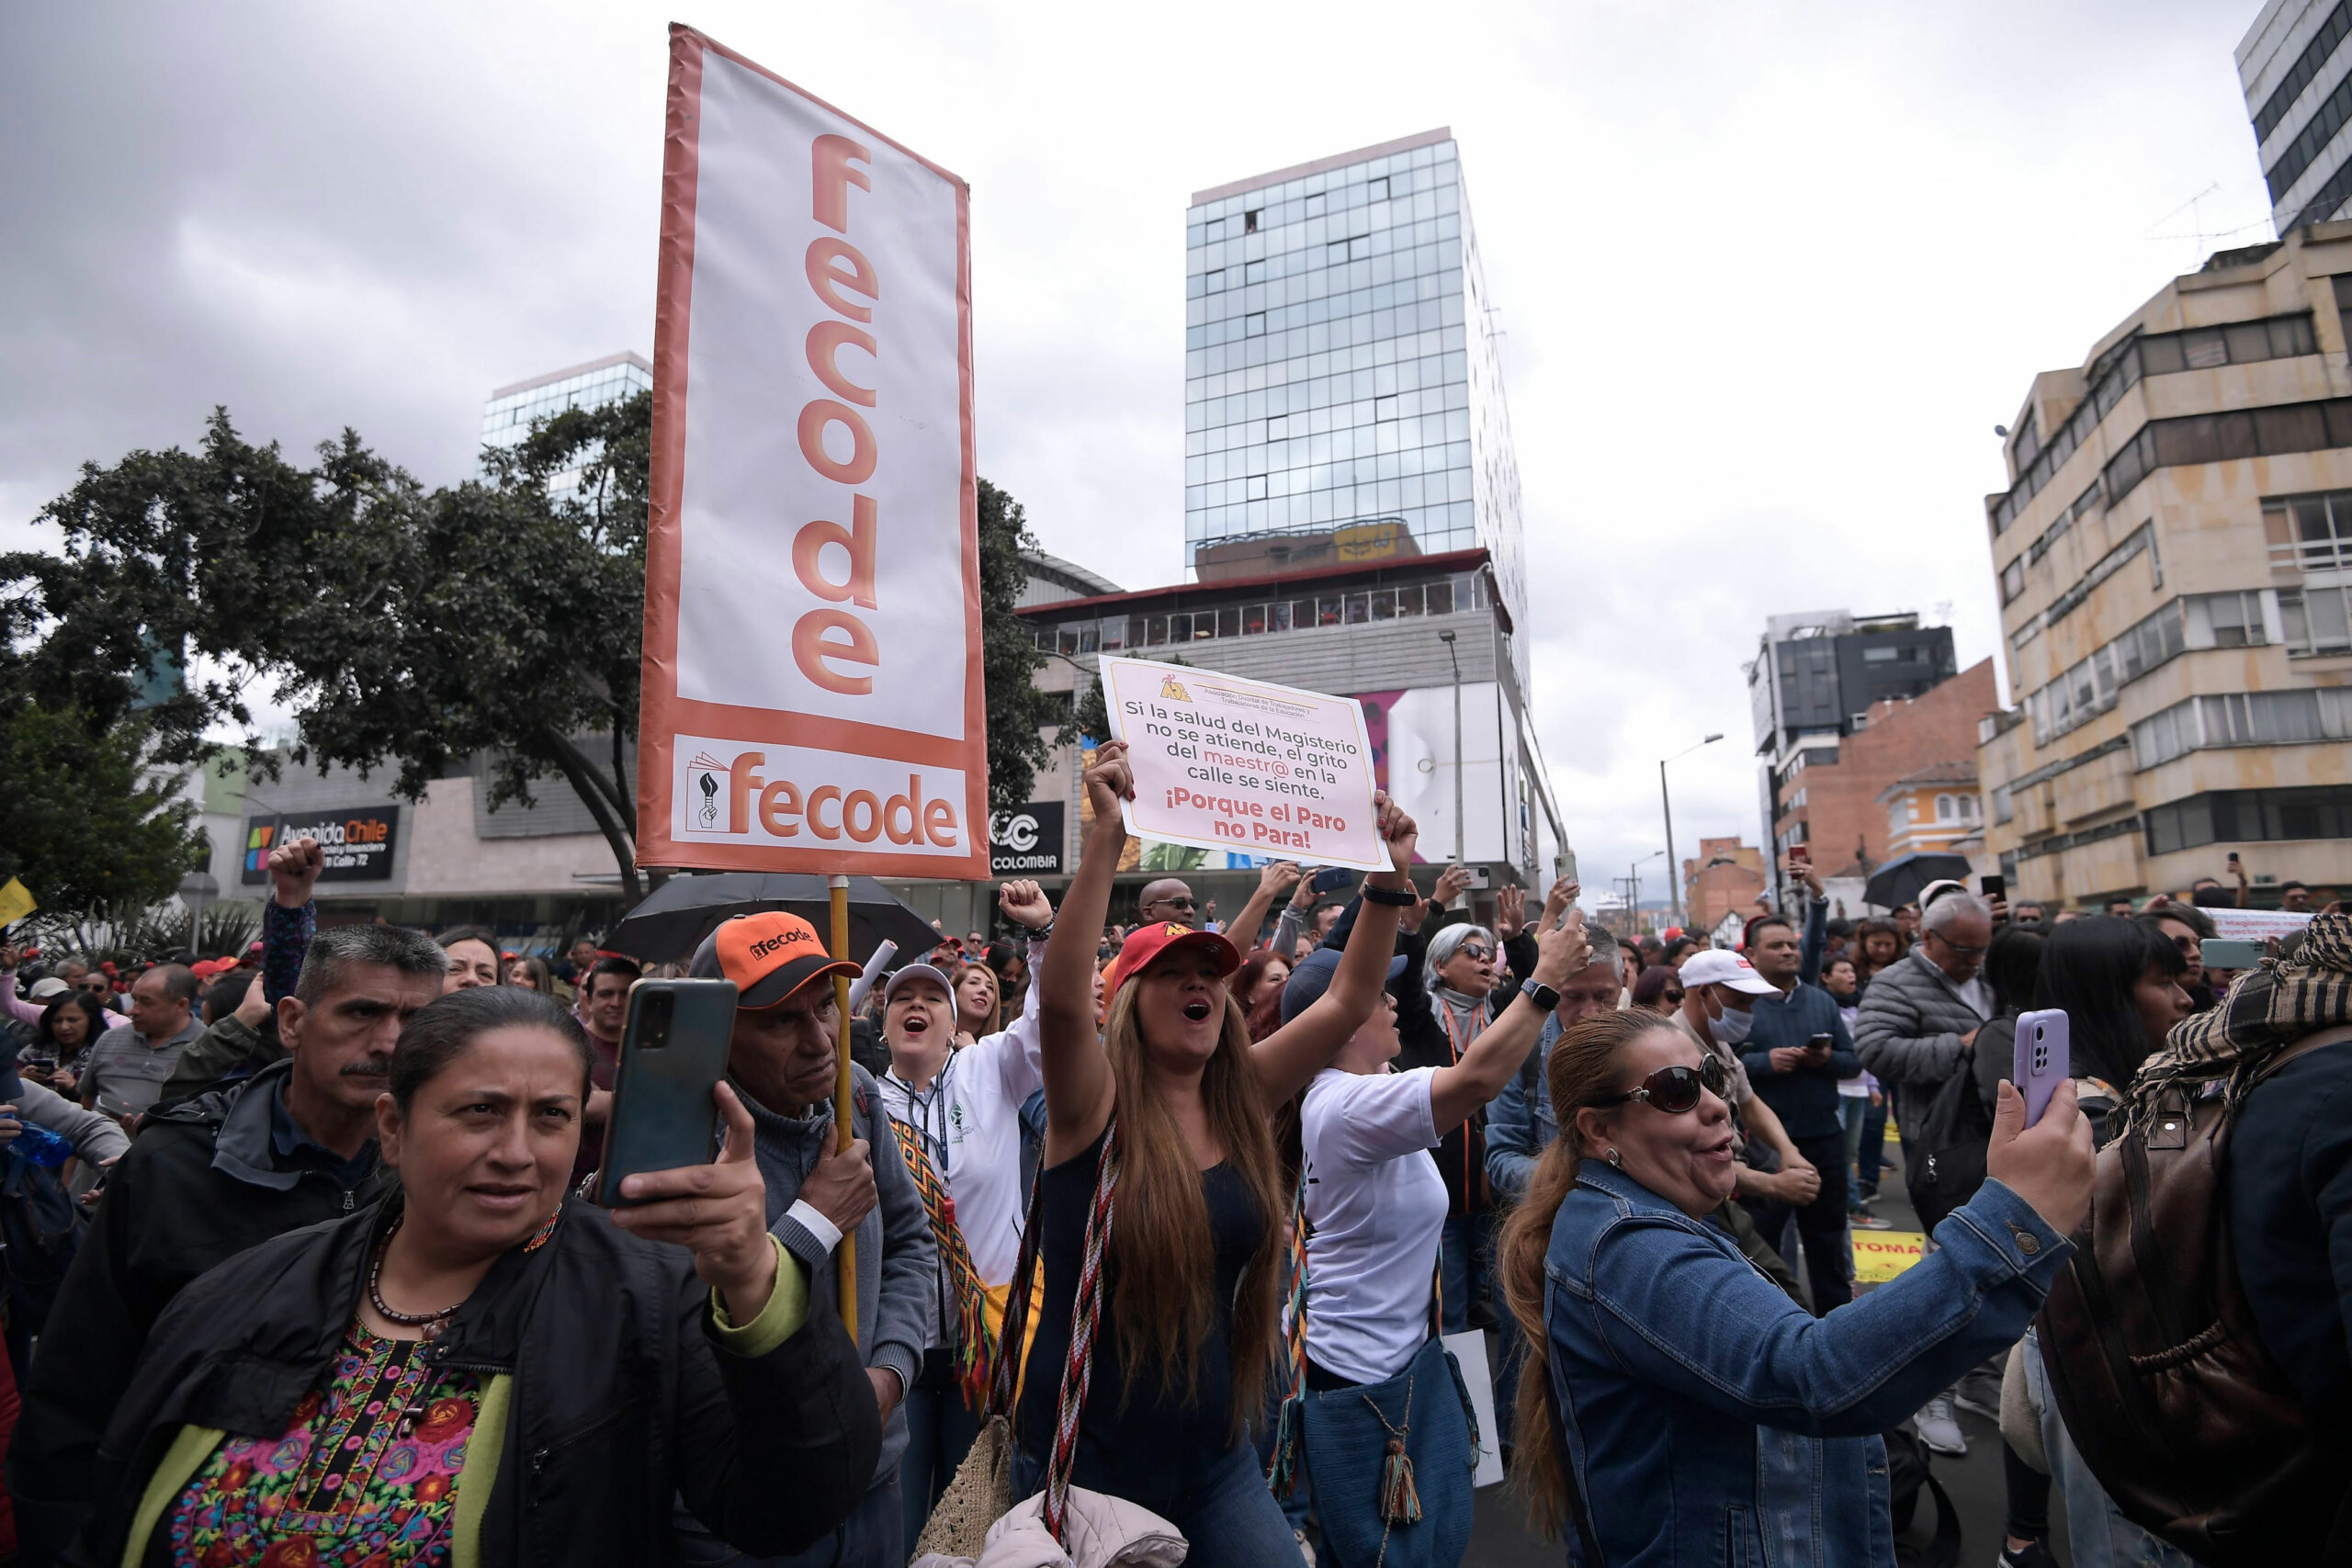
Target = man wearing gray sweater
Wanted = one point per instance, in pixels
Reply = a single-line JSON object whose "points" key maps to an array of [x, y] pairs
{"points": [[783, 1064]]}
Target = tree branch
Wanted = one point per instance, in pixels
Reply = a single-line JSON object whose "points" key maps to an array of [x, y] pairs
{"points": [[595, 794]]}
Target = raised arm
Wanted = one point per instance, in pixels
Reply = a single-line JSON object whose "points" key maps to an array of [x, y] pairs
{"points": [[1501, 1047], [1278, 878], [1294, 1054], [1079, 1088]]}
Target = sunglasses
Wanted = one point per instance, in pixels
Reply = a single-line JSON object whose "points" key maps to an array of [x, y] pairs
{"points": [[1675, 1089], [1473, 952], [1674, 998]]}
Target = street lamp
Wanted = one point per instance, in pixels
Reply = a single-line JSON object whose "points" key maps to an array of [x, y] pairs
{"points": [[1674, 883], [1634, 890], [1447, 639]]}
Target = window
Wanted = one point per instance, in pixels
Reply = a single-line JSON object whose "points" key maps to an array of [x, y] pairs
{"points": [[1257, 483], [1441, 598], [1383, 407], [2247, 718], [2317, 620], [2012, 581], [1254, 324], [2326, 120], [2313, 532], [1215, 284], [2300, 74], [1249, 220], [1946, 811], [1253, 620], [2224, 620], [1377, 190], [1158, 632], [2242, 816], [2004, 803], [1228, 622]]}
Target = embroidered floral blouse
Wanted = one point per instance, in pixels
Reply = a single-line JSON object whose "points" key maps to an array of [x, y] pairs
{"points": [[362, 1479]]}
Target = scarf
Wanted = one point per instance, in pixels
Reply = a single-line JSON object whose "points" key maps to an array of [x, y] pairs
{"points": [[1465, 1018], [2224, 1050], [974, 1345]]}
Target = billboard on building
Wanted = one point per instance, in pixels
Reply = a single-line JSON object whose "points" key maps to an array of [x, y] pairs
{"points": [[813, 695], [358, 843], [1030, 842]]}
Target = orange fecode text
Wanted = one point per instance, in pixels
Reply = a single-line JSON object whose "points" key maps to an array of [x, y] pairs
{"points": [[829, 645]]}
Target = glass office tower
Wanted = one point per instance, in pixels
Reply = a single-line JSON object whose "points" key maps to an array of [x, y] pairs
{"points": [[1342, 397], [508, 416]]}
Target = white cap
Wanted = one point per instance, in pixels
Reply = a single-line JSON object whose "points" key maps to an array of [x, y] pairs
{"points": [[917, 972], [1719, 966]]}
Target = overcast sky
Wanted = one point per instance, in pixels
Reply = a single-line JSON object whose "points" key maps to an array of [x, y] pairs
{"points": [[1768, 274]]}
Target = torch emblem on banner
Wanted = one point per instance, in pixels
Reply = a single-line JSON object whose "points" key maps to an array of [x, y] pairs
{"points": [[705, 770]]}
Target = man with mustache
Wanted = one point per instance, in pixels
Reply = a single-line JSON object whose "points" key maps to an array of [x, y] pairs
{"points": [[289, 1147]]}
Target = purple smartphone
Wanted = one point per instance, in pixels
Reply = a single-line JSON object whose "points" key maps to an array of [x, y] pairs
{"points": [[2044, 1056]]}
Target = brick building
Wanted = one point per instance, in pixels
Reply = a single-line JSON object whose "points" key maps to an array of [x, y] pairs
{"points": [[1725, 879], [1832, 796]]}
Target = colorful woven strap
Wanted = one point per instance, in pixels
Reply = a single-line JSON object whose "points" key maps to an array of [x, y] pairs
{"points": [[1086, 1311], [1282, 1470], [974, 1354]]}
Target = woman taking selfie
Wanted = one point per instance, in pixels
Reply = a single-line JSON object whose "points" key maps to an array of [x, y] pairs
{"points": [[500, 1373], [1690, 1411], [1184, 1337]]}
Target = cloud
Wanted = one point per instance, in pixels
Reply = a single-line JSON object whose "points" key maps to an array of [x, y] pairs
{"points": [[1768, 274]]}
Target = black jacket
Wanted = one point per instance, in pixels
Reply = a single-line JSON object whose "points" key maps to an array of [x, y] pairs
{"points": [[201, 1183], [620, 1401]]}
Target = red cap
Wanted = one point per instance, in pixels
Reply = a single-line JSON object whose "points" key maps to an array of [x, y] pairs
{"points": [[1145, 944], [768, 955]]}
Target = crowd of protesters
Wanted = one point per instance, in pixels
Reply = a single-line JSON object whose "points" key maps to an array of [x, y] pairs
{"points": [[299, 1267]]}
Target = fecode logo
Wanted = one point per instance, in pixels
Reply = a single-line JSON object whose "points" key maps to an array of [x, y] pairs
{"points": [[1028, 841], [766, 945], [785, 794]]}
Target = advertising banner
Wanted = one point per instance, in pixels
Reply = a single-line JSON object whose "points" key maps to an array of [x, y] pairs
{"points": [[1028, 842], [812, 692], [1225, 763], [358, 843]]}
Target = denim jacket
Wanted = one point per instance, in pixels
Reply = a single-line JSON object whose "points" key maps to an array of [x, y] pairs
{"points": [[1711, 1419], [1519, 1123]]}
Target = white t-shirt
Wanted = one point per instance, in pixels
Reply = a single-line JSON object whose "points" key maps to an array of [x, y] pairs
{"points": [[973, 1110], [1375, 1205]]}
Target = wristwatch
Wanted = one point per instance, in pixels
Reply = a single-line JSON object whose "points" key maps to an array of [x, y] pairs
{"points": [[1545, 997]]}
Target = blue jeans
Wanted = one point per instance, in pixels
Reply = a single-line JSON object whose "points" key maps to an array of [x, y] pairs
{"points": [[2100, 1535], [1869, 1158], [1856, 1113], [867, 1538], [940, 1432], [1466, 1261], [1227, 1517]]}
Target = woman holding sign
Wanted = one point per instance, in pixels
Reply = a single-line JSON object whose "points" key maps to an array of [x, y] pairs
{"points": [[1178, 1101]]}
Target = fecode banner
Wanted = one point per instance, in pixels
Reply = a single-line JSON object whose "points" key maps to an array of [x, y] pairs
{"points": [[812, 690], [1225, 763]]}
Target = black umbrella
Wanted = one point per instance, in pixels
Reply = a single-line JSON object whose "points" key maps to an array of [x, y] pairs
{"points": [[675, 916], [1898, 881]]}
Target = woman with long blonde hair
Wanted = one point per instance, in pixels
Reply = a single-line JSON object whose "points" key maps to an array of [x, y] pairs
{"points": [[979, 1005], [1187, 1326], [1676, 1406]]}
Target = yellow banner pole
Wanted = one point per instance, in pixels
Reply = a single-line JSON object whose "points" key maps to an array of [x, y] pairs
{"points": [[847, 1253]]}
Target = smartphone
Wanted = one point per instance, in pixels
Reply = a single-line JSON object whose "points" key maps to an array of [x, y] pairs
{"points": [[115, 1107], [1331, 878], [1479, 876], [1564, 865], [2229, 953], [1821, 1043], [2234, 857], [1993, 885], [1802, 855], [674, 1051], [2044, 1056]]}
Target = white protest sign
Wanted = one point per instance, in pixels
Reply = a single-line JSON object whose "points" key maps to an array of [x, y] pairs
{"points": [[1225, 763], [813, 698], [2256, 925]]}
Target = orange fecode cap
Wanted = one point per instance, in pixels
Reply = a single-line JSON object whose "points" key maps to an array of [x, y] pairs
{"points": [[768, 955], [1147, 942]]}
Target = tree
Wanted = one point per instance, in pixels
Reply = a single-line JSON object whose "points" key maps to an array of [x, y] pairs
{"points": [[408, 628], [1009, 655], [84, 819]]}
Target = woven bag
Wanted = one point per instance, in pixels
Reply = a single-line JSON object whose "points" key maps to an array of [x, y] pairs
{"points": [[981, 1490]]}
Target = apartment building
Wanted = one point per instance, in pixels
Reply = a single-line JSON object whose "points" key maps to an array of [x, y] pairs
{"points": [[2173, 558]]}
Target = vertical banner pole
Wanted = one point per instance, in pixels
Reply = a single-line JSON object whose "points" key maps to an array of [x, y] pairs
{"points": [[847, 1271]]}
